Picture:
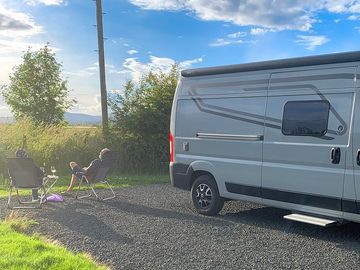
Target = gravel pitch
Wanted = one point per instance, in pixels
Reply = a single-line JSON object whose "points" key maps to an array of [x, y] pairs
{"points": [[156, 227]]}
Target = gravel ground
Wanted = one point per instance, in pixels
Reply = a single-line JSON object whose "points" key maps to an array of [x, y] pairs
{"points": [[155, 227]]}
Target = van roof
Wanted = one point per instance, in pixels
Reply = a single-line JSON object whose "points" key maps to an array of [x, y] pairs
{"points": [[324, 59]]}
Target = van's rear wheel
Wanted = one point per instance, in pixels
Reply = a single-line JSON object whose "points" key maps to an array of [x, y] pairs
{"points": [[205, 196]]}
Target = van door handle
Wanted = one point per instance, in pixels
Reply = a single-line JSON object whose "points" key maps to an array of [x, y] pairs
{"points": [[335, 155], [358, 157]]}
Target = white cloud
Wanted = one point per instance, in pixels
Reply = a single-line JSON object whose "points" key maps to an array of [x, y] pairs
{"points": [[4, 108], [116, 91], [93, 70], [268, 14], [353, 17], [160, 5], [131, 52], [137, 69], [311, 42], [16, 24], [13, 46], [355, 8], [88, 104], [85, 72], [5, 111], [16, 30], [337, 6], [237, 35], [188, 63], [233, 38], [7, 64], [258, 31], [45, 2], [224, 42]]}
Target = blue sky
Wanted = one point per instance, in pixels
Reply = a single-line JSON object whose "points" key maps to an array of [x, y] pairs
{"points": [[152, 34]]}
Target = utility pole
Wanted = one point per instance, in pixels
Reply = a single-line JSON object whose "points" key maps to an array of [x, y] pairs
{"points": [[104, 105]]}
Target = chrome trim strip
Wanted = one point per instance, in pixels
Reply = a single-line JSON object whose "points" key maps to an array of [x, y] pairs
{"points": [[230, 137]]}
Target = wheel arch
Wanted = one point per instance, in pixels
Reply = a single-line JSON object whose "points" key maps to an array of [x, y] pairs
{"points": [[200, 168], [198, 173]]}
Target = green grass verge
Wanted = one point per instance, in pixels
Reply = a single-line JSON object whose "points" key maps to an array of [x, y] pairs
{"points": [[20, 251], [117, 181]]}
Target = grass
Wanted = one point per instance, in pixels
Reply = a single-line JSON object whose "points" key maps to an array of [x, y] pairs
{"points": [[117, 181], [20, 251]]}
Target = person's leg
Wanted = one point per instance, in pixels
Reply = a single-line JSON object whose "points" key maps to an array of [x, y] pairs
{"points": [[73, 179], [73, 182], [75, 168]]}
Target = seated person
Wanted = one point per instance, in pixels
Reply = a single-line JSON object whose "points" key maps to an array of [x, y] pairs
{"points": [[21, 153], [89, 172]]}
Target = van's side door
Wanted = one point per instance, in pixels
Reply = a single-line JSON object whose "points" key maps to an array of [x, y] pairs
{"points": [[220, 120], [304, 156]]}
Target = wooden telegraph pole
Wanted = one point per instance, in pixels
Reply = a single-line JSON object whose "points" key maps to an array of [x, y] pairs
{"points": [[104, 107]]}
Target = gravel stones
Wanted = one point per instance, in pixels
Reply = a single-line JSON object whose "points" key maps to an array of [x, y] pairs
{"points": [[156, 227]]}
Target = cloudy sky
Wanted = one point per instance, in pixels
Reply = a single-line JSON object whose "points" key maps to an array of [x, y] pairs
{"points": [[153, 34]]}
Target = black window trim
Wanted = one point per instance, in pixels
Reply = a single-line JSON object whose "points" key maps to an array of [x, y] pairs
{"points": [[306, 101]]}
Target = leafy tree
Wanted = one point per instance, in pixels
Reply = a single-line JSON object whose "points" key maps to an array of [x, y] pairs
{"points": [[37, 90], [141, 120]]}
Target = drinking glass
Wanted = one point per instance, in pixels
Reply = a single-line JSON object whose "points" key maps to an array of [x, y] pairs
{"points": [[53, 170]]}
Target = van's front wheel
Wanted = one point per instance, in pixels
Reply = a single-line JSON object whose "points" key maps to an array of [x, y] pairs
{"points": [[205, 196]]}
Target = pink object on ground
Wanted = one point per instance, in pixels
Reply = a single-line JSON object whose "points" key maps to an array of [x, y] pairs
{"points": [[55, 198]]}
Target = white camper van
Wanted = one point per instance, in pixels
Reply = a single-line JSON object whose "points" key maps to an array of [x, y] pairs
{"points": [[282, 133]]}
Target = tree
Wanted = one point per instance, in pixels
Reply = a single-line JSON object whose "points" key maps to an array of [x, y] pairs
{"points": [[37, 90], [141, 120]]}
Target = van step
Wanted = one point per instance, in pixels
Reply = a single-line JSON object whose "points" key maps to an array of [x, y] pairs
{"points": [[311, 220]]}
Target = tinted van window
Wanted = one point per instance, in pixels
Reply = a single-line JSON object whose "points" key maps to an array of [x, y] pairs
{"points": [[305, 118]]}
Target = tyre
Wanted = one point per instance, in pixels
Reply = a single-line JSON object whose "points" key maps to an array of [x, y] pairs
{"points": [[205, 196]]}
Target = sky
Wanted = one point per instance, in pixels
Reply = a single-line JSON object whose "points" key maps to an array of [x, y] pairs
{"points": [[143, 35]]}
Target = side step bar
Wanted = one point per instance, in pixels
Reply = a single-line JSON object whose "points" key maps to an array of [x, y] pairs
{"points": [[311, 220]]}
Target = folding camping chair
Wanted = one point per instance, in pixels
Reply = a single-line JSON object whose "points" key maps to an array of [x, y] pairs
{"points": [[24, 175], [100, 178]]}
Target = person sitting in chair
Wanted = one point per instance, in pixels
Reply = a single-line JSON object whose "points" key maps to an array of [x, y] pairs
{"points": [[21, 153], [89, 172]]}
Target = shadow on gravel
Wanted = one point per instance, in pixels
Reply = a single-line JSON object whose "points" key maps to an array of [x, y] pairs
{"points": [[168, 214], [85, 224], [346, 236]]}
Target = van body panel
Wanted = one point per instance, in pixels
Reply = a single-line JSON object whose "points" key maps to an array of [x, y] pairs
{"points": [[227, 85], [232, 126], [299, 168], [236, 112]]}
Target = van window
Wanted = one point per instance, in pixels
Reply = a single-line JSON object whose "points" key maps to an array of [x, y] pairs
{"points": [[305, 118]]}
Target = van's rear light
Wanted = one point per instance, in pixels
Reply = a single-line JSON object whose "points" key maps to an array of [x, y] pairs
{"points": [[171, 147]]}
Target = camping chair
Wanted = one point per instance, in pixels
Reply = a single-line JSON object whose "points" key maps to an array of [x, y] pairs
{"points": [[24, 175], [100, 178]]}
